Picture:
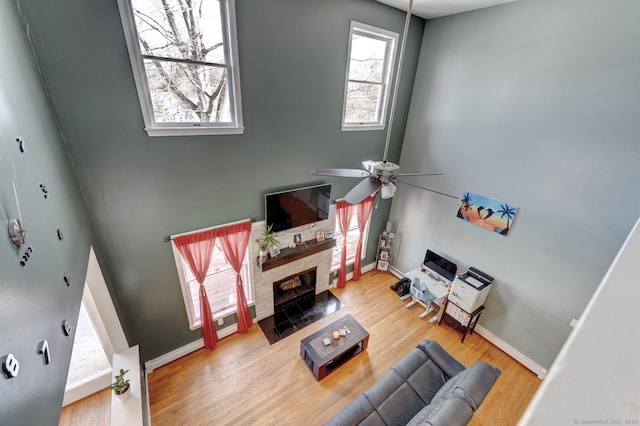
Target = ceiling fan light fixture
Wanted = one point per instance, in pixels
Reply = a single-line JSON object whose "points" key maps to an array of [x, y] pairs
{"points": [[387, 190]]}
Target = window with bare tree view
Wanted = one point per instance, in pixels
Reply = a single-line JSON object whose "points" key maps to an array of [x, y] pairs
{"points": [[185, 64], [369, 69]]}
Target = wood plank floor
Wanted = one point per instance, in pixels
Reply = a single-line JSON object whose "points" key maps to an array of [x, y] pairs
{"points": [[94, 410], [246, 381]]}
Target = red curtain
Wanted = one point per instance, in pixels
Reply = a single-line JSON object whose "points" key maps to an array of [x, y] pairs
{"points": [[234, 239], [197, 249], [363, 211], [344, 211]]}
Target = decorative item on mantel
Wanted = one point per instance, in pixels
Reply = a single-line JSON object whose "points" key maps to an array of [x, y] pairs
{"points": [[268, 239]]}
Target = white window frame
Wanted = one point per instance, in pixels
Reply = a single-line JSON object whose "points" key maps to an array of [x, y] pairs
{"points": [[154, 128], [247, 282], [391, 39], [353, 228]]}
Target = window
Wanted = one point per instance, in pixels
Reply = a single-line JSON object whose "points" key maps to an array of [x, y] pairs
{"points": [[369, 69], [185, 65], [352, 241], [220, 285]]}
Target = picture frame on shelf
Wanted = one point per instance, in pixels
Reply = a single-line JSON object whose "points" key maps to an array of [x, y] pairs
{"points": [[328, 234], [383, 265], [297, 239], [384, 255], [320, 236], [274, 250]]}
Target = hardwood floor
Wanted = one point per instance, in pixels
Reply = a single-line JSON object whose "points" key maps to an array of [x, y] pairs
{"points": [[246, 381], [94, 410]]}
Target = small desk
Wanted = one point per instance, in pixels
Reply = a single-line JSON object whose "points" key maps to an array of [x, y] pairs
{"points": [[438, 289]]}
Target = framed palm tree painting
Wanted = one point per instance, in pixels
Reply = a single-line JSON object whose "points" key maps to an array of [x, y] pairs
{"points": [[494, 215]]}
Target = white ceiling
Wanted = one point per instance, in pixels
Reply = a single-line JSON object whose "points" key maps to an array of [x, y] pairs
{"points": [[428, 9]]}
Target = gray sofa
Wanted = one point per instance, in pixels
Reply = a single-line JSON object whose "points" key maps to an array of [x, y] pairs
{"points": [[426, 387]]}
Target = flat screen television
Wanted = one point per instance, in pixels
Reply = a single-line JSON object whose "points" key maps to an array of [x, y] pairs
{"points": [[297, 207], [438, 264]]}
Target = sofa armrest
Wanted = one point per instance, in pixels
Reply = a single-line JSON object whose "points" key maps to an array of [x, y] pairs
{"points": [[443, 360], [456, 401], [476, 384]]}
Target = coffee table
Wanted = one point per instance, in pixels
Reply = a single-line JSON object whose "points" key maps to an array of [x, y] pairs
{"points": [[323, 359]]}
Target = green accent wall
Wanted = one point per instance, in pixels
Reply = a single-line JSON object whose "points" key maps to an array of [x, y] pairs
{"points": [[34, 299], [140, 189], [535, 103]]}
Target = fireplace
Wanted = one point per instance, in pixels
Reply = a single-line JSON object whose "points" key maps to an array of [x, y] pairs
{"points": [[294, 288]]}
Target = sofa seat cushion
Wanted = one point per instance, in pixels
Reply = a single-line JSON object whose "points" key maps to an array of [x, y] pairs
{"points": [[450, 412], [404, 390]]}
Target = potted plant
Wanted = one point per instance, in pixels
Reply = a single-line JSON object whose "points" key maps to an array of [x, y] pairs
{"points": [[121, 385], [268, 238]]}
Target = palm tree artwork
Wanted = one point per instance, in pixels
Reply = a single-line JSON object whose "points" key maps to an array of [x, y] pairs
{"points": [[465, 204], [509, 212], [494, 215]]}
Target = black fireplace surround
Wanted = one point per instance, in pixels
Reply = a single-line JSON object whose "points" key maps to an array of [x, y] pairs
{"points": [[296, 305], [289, 290]]}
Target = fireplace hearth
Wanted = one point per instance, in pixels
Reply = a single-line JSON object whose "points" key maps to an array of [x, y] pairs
{"points": [[298, 314]]}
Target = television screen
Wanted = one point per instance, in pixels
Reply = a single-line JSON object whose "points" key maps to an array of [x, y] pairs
{"points": [[297, 207], [438, 264]]}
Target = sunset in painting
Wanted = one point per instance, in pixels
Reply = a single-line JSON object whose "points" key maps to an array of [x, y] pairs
{"points": [[493, 215]]}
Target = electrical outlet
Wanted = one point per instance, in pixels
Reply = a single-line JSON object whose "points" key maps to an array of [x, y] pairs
{"points": [[220, 322], [573, 322]]}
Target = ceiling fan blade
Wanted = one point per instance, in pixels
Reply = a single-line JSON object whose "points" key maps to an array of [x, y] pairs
{"points": [[365, 188], [419, 174], [427, 189], [340, 172], [367, 164]]}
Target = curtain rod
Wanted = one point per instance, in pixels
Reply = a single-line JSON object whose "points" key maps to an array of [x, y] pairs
{"points": [[170, 237]]}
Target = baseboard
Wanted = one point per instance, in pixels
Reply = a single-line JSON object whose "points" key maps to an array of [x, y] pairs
{"points": [[363, 269], [512, 352], [158, 362], [87, 387], [492, 338], [395, 272], [499, 343]]}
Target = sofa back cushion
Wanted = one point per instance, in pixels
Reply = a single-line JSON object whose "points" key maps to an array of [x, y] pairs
{"points": [[450, 412], [437, 354], [455, 402], [472, 385], [408, 387]]}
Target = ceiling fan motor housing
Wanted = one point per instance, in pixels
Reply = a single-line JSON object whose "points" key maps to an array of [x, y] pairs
{"points": [[384, 170]]}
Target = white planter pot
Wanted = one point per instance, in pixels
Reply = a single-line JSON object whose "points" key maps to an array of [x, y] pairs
{"points": [[125, 395]]}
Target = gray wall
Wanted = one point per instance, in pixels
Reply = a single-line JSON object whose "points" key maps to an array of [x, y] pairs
{"points": [[34, 299], [140, 189], [535, 103]]}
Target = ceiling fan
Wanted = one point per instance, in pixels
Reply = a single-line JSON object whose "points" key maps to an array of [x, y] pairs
{"points": [[379, 175]]}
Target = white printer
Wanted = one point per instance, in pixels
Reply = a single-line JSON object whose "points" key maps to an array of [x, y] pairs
{"points": [[470, 290]]}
